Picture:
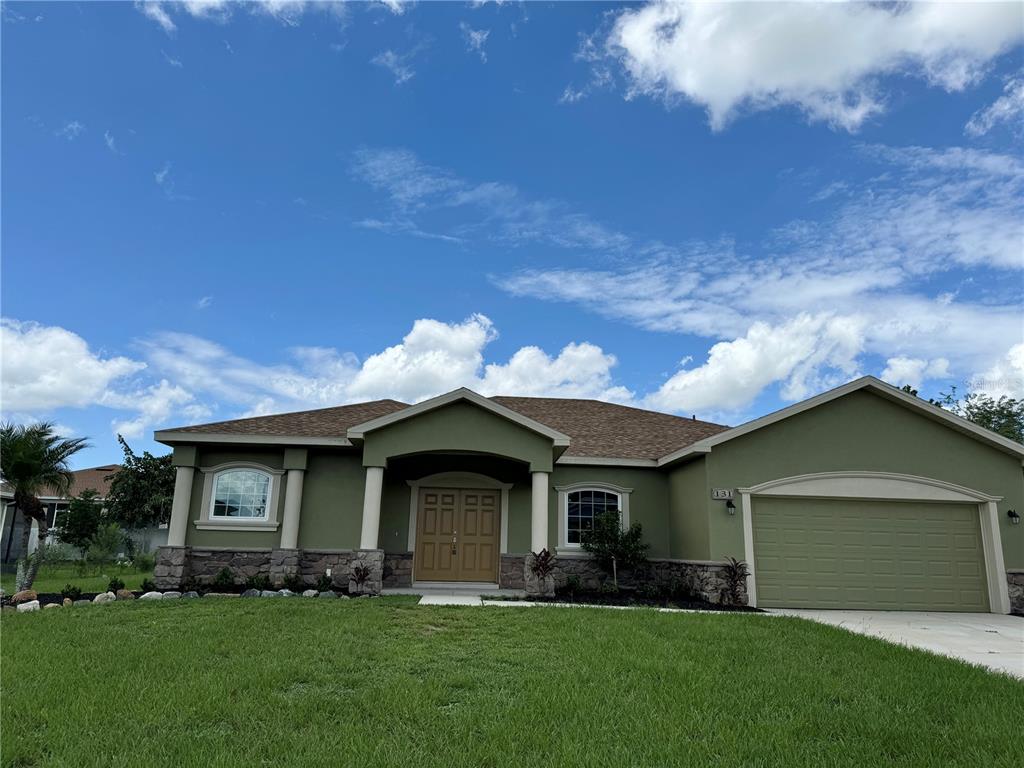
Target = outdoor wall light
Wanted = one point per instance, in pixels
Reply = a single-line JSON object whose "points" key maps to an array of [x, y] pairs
{"points": [[730, 507], [1014, 517]]}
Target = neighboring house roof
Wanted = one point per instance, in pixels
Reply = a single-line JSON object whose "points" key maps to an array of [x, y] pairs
{"points": [[869, 383], [95, 478], [594, 429]]}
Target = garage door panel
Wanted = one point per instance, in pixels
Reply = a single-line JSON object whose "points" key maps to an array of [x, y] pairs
{"points": [[861, 554]]}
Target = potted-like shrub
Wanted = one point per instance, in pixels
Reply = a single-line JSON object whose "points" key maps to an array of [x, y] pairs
{"points": [[540, 581], [613, 548], [358, 579]]}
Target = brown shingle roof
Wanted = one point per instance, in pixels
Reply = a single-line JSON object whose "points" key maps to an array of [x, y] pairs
{"points": [[94, 478], [322, 422], [612, 431], [595, 428]]}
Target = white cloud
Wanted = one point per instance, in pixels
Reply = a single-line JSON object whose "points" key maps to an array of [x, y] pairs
{"points": [[1005, 378], [156, 12], [475, 39], [928, 214], [1008, 108], [492, 210], [286, 12], [71, 130], [824, 58], [46, 367], [108, 139], [806, 354], [165, 180], [153, 405], [395, 63], [176, 63], [205, 302], [914, 370], [397, 7]]}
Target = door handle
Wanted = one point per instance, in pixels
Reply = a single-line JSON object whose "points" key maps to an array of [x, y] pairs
{"points": [[455, 542]]}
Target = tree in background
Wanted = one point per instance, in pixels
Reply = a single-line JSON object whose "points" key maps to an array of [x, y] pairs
{"points": [[80, 521], [1004, 416], [32, 458], [142, 491]]}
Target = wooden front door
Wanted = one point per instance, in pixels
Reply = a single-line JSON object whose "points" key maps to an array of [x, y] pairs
{"points": [[457, 535]]}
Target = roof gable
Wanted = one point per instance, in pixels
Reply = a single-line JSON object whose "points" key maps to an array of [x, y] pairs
{"points": [[870, 383], [359, 431]]}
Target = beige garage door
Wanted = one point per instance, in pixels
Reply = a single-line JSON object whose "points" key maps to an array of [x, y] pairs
{"points": [[880, 555]]}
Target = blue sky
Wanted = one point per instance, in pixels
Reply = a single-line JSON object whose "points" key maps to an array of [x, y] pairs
{"points": [[215, 209]]}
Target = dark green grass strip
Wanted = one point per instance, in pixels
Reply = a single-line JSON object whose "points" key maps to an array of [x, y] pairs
{"points": [[386, 683]]}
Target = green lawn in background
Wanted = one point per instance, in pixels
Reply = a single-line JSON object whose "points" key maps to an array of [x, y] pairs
{"points": [[384, 682], [53, 576]]}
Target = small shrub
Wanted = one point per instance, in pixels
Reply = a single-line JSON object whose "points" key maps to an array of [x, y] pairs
{"points": [[542, 563], [649, 590], [148, 585], [735, 573], [360, 574], [612, 547], [144, 561], [71, 591], [294, 582], [260, 581], [609, 588], [323, 584], [573, 585], [115, 584], [105, 545], [224, 580]]}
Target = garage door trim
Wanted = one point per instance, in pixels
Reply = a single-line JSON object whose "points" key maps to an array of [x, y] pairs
{"points": [[888, 486]]}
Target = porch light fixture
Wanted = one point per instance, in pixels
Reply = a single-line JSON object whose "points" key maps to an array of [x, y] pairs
{"points": [[730, 507], [1014, 517]]}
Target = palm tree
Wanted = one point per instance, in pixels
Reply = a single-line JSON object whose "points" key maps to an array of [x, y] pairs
{"points": [[34, 457]]}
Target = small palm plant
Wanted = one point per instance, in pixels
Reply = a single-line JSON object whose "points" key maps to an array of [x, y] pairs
{"points": [[735, 573], [32, 458]]}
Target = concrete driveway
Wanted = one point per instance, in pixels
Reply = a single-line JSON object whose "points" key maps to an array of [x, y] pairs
{"points": [[987, 639]]}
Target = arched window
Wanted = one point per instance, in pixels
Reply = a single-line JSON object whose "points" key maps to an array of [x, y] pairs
{"points": [[583, 506], [241, 494]]}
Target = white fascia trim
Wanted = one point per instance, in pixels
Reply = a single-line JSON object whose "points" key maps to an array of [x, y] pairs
{"points": [[865, 382], [358, 432], [603, 461], [212, 437]]}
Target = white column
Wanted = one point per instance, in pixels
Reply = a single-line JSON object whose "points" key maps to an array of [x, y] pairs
{"points": [[371, 508], [292, 508], [179, 507], [539, 512]]}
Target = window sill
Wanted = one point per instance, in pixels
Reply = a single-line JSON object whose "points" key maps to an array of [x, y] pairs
{"points": [[577, 552], [218, 525]]}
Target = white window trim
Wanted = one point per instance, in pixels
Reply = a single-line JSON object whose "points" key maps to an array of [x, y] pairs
{"points": [[457, 480], [564, 547], [889, 486], [207, 522]]}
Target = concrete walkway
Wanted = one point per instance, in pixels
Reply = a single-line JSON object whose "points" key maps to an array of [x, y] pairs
{"points": [[990, 640]]}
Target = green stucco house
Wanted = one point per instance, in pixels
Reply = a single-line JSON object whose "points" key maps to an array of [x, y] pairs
{"points": [[863, 497]]}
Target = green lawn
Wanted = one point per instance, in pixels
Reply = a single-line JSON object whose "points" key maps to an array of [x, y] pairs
{"points": [[367, 683], [53, 577]]}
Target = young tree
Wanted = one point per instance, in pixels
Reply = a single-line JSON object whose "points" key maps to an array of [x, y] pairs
{"points": [[34, 457], [81, 520], [142, 491], [612, 547], [1004, 416]]}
